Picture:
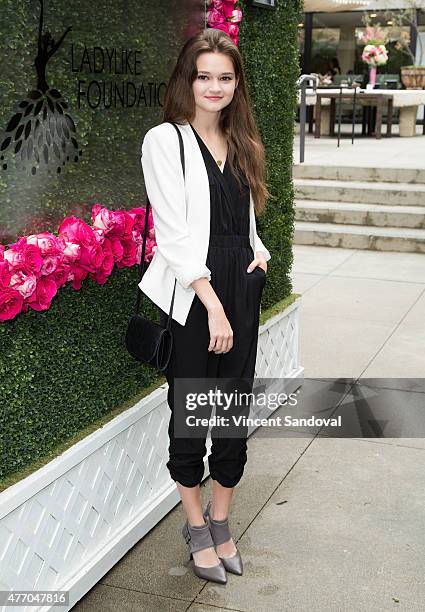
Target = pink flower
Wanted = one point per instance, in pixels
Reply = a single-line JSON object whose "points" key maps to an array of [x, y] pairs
{"points": [[222, 26], [23, 282], [116, 248], [228, 7], [11, 302], [5, 274], [43, 295], [151, 247], [70, 250], [60, 275], [33, 268], [50, 249], [91, 257], [236, 16], [215, 17], [77, 275], [129, 254], [77, 231], [104, 271], [138, 216], [112, 222], [233, 30], [24, 256]]}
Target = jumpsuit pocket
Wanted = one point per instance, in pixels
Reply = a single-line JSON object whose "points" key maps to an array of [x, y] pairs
{"points": [[258, 273], [261, 272]]}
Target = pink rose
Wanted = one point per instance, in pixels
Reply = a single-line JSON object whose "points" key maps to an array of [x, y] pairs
{"points": [[91, 257], [43, 295], [2, 247], [60, 274], [104, 271], [138, 216], [5, 274], [129, 254], [23, 282], [116, 248], [215, 17], [11, 302], [77, 231], [24, 256], [233, 30], [222, 26], [51, 251], [236, 16], [77, 275], [110, 221], [151, 247], [70, 250], [228, 7]]}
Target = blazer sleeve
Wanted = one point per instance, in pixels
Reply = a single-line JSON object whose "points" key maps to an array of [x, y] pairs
{"points": [[258, 245], [165, 187]]}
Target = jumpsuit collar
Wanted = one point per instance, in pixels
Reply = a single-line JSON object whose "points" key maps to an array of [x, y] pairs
{"points": [[219, 174]]}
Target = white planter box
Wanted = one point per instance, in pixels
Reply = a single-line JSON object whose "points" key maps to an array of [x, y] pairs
{"points": [[64, 526]]}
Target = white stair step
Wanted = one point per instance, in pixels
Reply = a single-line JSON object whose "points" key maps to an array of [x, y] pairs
{"points": [[360, 237], [359, 173], [360, 214], [405, 194]]}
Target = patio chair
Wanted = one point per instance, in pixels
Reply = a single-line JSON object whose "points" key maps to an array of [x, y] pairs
{"points": [[383, 81], [388, 81]]}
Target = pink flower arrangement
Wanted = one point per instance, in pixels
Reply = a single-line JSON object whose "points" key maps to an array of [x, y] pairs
{"points": [[375, 55], [223, 15], [373, 35], [35, 267]]}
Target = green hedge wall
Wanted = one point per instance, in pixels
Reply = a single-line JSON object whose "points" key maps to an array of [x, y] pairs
{"points": [[65, 369]]}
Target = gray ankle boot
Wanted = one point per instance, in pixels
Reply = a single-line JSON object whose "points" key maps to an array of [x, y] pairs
{"points": [[199, 538], [220, 533]]}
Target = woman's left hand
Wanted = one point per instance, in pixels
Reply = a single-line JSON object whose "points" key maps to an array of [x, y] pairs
{"points": [[258, 261]]}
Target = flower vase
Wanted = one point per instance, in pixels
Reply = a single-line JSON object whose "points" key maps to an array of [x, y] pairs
{"points": [[372, 76]]}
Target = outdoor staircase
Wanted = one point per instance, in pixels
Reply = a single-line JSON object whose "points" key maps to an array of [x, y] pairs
{"points": [[381, 209]]}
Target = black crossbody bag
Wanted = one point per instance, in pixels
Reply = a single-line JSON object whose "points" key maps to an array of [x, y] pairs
{"points": [[146, 340]]}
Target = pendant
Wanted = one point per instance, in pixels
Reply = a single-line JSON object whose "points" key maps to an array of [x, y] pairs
{"points": [[219, 162]]}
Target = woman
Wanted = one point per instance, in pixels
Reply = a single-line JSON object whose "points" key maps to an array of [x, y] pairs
{"points": [[206, 238], [333, 68]]}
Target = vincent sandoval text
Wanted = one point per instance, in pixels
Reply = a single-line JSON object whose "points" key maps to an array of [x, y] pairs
{"points": [[243, 421]]}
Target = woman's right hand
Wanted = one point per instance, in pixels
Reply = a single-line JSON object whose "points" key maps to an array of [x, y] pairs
{"points": [[221, 333]]}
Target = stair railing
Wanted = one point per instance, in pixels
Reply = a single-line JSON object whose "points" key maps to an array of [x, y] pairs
{"points": [[304, 81]]}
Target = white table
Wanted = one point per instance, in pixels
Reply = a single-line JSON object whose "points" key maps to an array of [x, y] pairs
{"points": [[407, 100]]}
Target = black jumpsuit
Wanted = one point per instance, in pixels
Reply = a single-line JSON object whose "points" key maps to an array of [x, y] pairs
{"points": [[229, 255]]}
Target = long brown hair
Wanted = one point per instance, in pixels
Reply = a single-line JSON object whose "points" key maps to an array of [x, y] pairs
{"points": [[236, 119]]}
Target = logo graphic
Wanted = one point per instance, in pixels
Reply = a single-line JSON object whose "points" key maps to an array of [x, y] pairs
{"points": [[41, 131]]}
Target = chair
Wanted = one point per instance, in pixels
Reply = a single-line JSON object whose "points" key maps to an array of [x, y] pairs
{"points": [[383, 81], [388, 81]]}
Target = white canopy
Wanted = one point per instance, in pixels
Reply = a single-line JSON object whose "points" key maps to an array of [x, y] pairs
{"points": [[333, 6]]}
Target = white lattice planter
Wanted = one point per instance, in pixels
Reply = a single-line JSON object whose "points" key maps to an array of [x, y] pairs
{"points": [[63, 527]]}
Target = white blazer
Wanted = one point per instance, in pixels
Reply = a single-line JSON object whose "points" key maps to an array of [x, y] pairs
{"points": [[182, 243]]}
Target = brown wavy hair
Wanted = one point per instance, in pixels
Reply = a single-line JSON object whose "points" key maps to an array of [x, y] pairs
{"points": [[236, 119]]}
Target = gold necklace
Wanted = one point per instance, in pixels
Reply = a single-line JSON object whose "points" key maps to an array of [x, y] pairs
{"points": [[218, 161]]}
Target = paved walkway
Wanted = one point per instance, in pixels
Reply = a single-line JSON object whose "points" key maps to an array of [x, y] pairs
{"points": [[323, 524], [392, 152]]}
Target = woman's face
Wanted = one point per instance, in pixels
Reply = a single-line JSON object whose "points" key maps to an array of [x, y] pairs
{"points": [[215, 83]]}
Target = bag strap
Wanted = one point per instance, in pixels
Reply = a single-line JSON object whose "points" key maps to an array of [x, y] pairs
{"points": [[145, 232]]}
